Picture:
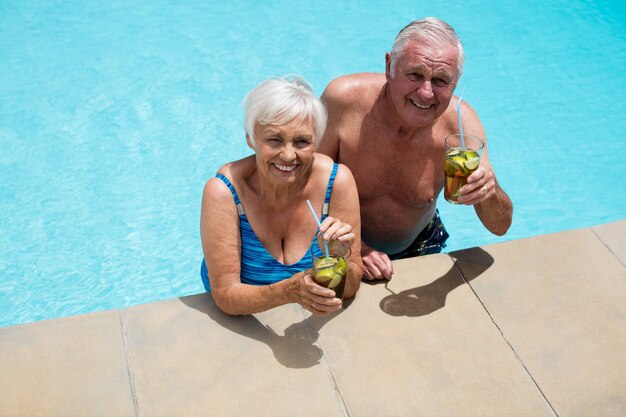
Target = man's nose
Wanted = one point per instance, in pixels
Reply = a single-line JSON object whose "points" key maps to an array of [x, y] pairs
{"points": [[425, 90]]}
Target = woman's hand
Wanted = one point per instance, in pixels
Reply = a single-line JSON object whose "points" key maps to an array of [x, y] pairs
{"points": [[336, 231], [333, 228], [313, 297]]}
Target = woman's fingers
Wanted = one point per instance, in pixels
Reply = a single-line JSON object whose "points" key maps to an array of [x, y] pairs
{"points": [[317, 299], [334, 229]]}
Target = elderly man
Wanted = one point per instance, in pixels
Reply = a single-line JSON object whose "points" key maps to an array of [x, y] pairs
{"points": [[389, 129]]}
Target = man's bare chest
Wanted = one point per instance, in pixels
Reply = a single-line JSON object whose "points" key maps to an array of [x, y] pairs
{"points": [[411, 176]]}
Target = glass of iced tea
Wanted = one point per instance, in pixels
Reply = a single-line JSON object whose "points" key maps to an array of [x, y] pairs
{"points": [[461, 160], [332, 272]]}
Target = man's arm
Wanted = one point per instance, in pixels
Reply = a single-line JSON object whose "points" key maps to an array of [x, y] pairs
{"points": [[340, 97], [332, 99], [493, 206]]}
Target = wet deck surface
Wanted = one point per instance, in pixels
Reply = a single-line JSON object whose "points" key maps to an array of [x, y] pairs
{"points": [[533, 327]]}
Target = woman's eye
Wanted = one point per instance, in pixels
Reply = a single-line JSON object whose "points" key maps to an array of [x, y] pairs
{"points": [[302, 143]]}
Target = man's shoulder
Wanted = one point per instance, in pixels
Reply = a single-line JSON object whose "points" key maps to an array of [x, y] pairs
{"points": [[449, 119], [352, 88]]}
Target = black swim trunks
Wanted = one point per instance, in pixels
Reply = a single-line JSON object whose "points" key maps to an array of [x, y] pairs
{"points": [[430, 240]]}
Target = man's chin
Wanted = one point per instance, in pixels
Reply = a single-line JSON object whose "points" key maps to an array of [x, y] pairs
{"points": [[419, 121]]}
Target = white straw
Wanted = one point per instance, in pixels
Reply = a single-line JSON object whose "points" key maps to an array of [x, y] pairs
{"points": [[458, 112], [318, 225]]}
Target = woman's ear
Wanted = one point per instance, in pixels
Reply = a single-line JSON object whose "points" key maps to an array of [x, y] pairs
{"points": [[250, 142]]}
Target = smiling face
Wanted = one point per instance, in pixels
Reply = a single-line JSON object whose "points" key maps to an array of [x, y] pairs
{"points": [[284, 154], [422, 82]]}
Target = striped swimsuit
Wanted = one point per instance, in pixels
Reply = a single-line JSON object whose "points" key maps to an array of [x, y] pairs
{"points": [[258, 266]]}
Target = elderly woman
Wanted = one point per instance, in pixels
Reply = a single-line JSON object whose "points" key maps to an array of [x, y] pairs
{"points": [[256, 227]]}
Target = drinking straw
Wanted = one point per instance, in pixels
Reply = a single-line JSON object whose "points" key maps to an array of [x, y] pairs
{"points": [[318, 225], [458, 112]]}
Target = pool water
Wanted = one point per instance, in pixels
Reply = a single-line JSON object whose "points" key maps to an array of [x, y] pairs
{"points": [[113, 116]]}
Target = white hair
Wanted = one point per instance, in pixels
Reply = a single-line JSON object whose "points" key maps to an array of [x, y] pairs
{"points": [[430, 31], [279, 100]]}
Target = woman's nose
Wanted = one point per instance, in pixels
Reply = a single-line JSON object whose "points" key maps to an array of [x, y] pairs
{"points": [[288, 153]]}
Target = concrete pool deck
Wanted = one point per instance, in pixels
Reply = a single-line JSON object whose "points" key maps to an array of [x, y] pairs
{"points": [[532, 327]]}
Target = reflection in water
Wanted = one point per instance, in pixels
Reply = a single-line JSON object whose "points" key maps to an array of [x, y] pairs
{"points": [[426, 299]]}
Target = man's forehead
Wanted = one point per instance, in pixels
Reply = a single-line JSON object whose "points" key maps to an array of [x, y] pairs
{"points": [[441, 57]]}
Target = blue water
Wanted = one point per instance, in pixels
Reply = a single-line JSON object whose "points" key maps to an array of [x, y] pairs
{"points": [[113, 116]]}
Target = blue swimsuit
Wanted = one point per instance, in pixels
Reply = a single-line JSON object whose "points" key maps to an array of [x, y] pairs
{"points": [[258, 267]]}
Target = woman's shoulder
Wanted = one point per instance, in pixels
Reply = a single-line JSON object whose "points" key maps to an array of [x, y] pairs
{"points": [[217, 189], [343, 176], [323, 165], [323, 162], [237, 169]]}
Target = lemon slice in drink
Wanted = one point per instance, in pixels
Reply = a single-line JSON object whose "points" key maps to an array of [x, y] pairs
{"points": [[459, 159], [455, 163], [341, 262], [472, 164], [340, 266], [335, 281], [324, 275], [323, 262]]}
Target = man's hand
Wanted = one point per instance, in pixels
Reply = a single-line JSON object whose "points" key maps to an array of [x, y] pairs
{"points": [[493, 207], [480, 186], [377, 264]]}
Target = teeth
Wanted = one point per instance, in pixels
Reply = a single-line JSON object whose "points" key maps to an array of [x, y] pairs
{"points": [[285, 168], [421, 106]]}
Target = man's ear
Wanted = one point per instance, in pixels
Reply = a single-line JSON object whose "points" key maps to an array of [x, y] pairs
{"points": [[250, 143], [388, 65]]}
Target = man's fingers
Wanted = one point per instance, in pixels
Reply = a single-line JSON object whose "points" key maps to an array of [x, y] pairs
{"points": [[372, 272], [477, 175], [377, 266], [383, 264], [476, 193]]}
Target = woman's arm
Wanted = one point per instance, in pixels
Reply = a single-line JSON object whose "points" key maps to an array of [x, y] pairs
{"points": [[221, 244], [344, 205]]}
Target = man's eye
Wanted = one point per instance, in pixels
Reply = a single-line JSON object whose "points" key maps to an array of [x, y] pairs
{"points": [[414, 76], [440, 82]]}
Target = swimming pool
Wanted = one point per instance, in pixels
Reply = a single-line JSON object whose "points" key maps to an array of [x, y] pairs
{"points": [[113, 117]]}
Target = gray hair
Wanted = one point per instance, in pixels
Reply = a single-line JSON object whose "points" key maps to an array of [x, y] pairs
{"points": [[428, 30], [279, 100]]}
